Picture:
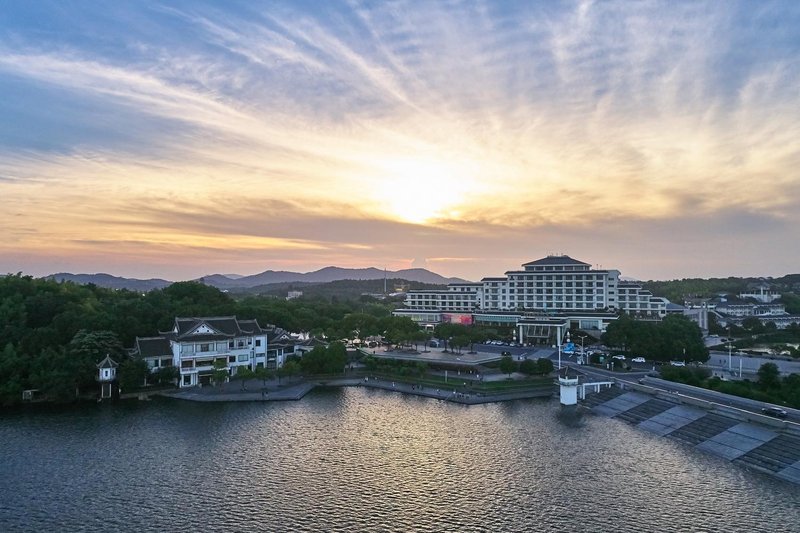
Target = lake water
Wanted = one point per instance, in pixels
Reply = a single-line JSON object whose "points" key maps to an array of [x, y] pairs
{"points": [[356, 459]]}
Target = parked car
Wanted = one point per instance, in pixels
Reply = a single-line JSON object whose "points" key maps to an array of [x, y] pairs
{"points": [[619, 357], [677, 363], [638, 360], [777, 412]]}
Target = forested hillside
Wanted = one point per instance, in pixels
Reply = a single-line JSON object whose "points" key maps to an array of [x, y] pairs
{"points": [[52, 334], [346, 289], [678, 290]]}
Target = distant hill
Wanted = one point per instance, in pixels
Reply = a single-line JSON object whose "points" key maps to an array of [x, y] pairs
{"points": [[326, 275], [112, 282], [269, 278], [344, 289]]}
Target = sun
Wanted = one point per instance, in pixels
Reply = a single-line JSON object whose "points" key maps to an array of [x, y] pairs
{"points": [[421, 190]]}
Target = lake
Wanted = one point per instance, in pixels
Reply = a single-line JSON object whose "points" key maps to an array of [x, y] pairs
{"points": [[355, 459]]}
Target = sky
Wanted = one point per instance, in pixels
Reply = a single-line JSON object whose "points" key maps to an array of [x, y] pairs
{"points": [[179, 139]]}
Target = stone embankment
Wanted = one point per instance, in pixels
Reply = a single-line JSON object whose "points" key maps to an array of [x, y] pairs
{"points": [[298, 390], [745, 438]]}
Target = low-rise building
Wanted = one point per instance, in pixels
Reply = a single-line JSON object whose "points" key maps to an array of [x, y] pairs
{"points": [[195, 345]]}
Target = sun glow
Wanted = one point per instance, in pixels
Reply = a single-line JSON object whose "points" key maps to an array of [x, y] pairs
{"points": [[421, 190]]}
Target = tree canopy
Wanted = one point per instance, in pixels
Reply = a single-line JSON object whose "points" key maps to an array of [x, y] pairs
{"points": [[675, 337], [53, 333]]}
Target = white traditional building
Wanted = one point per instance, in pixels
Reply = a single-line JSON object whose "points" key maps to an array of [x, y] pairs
{"points": [[760, 292], [195, 344]]}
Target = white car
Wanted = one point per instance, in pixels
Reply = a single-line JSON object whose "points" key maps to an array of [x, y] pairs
{"points": [[638, 360], [619, 357], [677, 363]]}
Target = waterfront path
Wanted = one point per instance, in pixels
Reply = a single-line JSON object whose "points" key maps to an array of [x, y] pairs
{"points": [[232, 392]]}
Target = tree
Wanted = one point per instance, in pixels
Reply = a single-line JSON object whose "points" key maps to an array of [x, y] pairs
{"points": [[264, 374], [220, 374], [674, 337], [244, 374], [507, 365], [132, 373], [370, 363], [289, 368], [336, 358], [528, 367], [459, 342], [769, 376], [167, 374], [313, 362], [11, 379], [544, 366]]}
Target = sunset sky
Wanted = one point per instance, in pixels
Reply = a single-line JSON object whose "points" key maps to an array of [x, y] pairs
{"points": [[177, 139]]}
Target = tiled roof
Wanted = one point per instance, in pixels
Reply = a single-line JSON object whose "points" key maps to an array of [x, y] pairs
{"points": [[251, 326], [153, 347], [225, 326], [107, 363], [551, 260]]}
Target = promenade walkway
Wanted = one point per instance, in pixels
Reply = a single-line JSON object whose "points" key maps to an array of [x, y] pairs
{"points": [[256, 392]]}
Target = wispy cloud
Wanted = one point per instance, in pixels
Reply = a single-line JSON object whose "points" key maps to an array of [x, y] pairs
{"points": [[404, 129]]}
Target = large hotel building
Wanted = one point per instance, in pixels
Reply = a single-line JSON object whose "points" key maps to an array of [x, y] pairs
{"points": [[554, 292]]}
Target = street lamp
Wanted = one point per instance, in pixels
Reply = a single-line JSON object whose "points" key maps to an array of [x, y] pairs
{"points": [[558, 343], [583, 354], [559, 347], [730, 362]]}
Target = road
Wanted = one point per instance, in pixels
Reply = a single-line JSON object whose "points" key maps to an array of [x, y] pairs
{"points": [[640, 372], [717, 397], [750, 365], [687, 390]]}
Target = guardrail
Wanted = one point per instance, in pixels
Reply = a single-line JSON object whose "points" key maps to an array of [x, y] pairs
{"points": [[708, 405]]}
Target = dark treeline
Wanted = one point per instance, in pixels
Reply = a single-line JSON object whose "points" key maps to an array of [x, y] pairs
{"points": [[675, 337], [679, 290], [769, 386], [52, 334]]}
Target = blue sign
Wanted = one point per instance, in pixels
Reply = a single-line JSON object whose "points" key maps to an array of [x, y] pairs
{"points": [[569, 347]]}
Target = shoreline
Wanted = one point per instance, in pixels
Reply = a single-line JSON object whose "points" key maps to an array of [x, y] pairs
{"points": [[297, 392]]}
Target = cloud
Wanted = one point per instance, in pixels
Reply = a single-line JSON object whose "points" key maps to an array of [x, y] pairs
{"points": [[419, 262], [372, 133]]}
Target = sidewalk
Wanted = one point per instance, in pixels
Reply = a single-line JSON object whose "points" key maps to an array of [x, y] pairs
{"points": [[452, 395], [255, 391], [232, 392]]}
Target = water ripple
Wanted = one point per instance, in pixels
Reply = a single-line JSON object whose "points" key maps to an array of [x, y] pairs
{"points": [[366, 460]]}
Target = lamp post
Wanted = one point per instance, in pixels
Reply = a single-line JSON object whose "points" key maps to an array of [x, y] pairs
{"points": [[583, 354], [559, 352], [559, 348], [730, 362], [558, 342]]}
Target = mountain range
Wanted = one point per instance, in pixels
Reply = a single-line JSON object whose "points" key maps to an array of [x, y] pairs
{"points": [[235, 281]]}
